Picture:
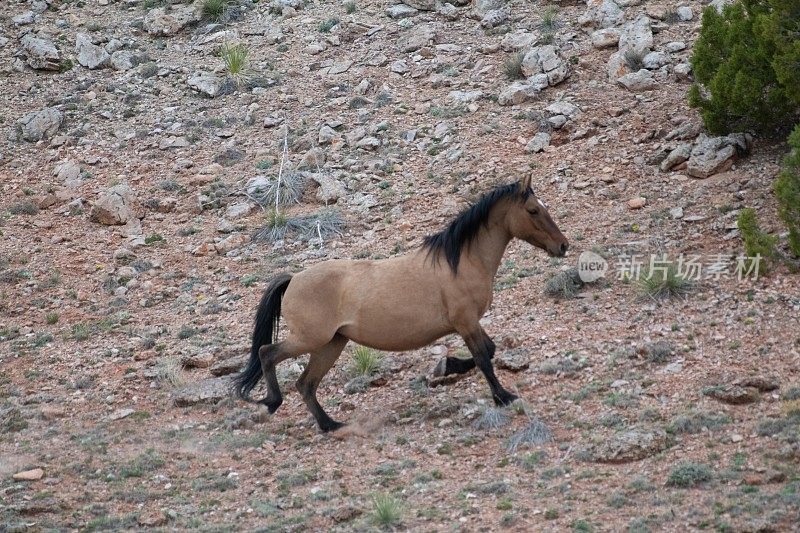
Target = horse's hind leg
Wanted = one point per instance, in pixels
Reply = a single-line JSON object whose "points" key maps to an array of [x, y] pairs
{"points": [[271, 355], [319, 364]]}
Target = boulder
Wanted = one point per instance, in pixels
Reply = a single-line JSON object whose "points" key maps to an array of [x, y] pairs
{"points": [[416, 38], [116, 207], [206, 83], [518, 92], [401, 11], [712, 155], [90, 55], [638, 81], [605, 38], [206, 391], [42, 53], [538, 143], [545, 60], [631, 445], [159, 22], [676, 157], [637, 36], [42, 124], [601, 14]]}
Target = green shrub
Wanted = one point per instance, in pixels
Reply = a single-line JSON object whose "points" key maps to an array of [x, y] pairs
{"points": [[387, 510], [787, 191], [745, 63], [689, 475], [756, 241]]}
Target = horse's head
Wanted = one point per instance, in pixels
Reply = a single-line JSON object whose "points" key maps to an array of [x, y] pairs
{"points": [[529, 220]]}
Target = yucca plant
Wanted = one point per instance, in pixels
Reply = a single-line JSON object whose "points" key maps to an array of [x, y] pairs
{"points": [[366, 361], [387, 510]]}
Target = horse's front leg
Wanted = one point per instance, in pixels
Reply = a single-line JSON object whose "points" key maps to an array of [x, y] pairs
{"points": [[482, 349]]}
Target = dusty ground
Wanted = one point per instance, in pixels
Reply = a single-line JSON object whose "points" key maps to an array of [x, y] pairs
{"points": [[94, 354]]}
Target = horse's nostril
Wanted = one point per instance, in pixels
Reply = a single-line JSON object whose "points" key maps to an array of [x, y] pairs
{"points": [[564, 247]]}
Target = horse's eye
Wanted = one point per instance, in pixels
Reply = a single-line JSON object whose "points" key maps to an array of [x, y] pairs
{"points": [[533, 211]]}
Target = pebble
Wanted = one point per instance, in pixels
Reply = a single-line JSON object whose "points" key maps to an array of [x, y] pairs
{"points": [[29, 475]]}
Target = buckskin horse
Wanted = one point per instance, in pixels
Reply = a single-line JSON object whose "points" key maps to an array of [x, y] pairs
{"points": [[401, 303]]}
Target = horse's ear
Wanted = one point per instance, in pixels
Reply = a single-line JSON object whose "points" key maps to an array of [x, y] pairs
{"points": [[525, 184]]}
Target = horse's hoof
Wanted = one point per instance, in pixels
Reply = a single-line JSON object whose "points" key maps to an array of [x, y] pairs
{"points": [[272, 405], [505, 399], [441, 368], [333, 425]]}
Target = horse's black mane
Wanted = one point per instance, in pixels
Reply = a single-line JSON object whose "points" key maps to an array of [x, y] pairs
{"points": [[460, 233]]}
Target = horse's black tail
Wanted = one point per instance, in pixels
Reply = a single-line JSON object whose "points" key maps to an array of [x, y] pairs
{"points": [[265, 332]]}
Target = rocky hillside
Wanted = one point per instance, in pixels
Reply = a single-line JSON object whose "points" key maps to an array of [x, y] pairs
{"points": [[161, 160]]}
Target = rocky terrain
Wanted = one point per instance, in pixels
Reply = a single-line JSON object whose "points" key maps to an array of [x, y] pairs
{"points": [[145, 146]]}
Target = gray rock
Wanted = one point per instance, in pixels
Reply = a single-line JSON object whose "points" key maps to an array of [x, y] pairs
{"points": [[326, 134], [605, 38], [67, 171], [675, 46], [448, 11], [401, 11], [638, 81], [422, 5], [330, 189], [24, 18], [496, 17], [676, 213], [602, 14], [90, 55], [733, 394], [116, 207], [656, 60], [539, 142], [482, 7], [517, 93], [685, 13], [123, 60], [515, 360], [631, 445], [161, 23], [206, 83], [518, 41], [563, 108], [416, 38], [545, 60], [683, 71], [42, 53], [208, 390], [676, 157], [464, 97], [230, 243], [399, 67], [712, 155], [38, 125], [637, 36], [238, 210]]}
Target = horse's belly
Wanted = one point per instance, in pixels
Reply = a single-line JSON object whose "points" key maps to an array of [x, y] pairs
{"points": [[394, 338]]}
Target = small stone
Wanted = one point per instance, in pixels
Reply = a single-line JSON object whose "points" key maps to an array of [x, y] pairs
{"points": [[39, 125], [206, 83], [121, 413], [638, 81], [401, 11], [605, 38], [685, 13], [631, 445], [515, 360], [42, 53], [117, 206], [735, 437], [733, 394], [637, 203], [538, 143], [676, 213], [208, 390], [29, 475]]}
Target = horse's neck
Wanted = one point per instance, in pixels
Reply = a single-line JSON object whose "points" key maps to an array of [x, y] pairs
{"points": [[486, 251]]}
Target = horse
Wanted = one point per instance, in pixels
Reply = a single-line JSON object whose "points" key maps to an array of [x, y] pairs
{"points": [[401, 303]]}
